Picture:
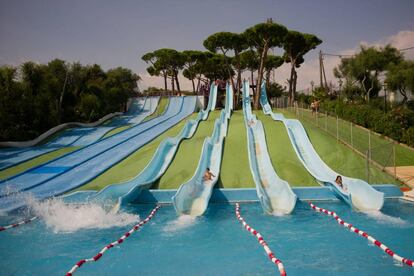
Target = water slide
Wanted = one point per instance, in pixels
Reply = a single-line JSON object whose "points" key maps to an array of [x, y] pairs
{"points": [[193, 196], [80, 136], [121, 194], [275, 194], [356, 192], [79, 167]]}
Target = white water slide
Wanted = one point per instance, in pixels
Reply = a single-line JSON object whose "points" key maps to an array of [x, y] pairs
{"points": [[274, 193], [356, 192]]}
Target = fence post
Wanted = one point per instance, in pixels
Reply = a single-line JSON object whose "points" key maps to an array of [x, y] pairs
{"points": [[352, 138], [368, 161], [316, 118], [369, 143], [337, 128], [395, 165]]}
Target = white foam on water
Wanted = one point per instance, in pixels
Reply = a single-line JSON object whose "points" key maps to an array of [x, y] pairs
{"points": [[61, 217], [180, 223], [386, 219]]}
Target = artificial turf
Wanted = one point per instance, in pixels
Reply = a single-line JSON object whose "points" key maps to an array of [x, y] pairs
{"points": [[382, 147], [185, 162], [35, 162], [162, 104], [284, 159], [340, 157], [133, 164], [235, 169]]}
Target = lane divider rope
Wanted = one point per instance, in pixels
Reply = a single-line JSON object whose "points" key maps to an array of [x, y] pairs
{"points": [[109, 246], [14, 225], [262, 242], [379, 244]]}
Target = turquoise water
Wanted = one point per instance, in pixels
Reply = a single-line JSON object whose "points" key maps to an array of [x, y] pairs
{"points": [[308, 243]]}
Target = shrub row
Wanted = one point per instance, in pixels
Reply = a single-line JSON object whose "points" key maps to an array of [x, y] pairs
{"points": [[398, 123]]}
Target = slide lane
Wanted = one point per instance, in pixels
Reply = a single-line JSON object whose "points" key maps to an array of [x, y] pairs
{"points": [[275, 194], [126, 192], [76, 169], [193, 196], [356, 192], [80, 136]]}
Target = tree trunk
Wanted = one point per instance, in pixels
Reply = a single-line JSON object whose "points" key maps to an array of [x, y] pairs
{"points": [[192, 81], [260, 75], [295, 80], [292, 74], [165, 82], [172, 83], [267, 78], [404, 94], [228, 67], [251, 76], [198, 84], [176, 79]]}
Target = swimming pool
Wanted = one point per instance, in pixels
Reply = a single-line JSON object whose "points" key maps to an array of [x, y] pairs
{"points": [[308, 243]]}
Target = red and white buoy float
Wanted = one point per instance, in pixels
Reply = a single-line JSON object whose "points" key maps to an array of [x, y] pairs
{"points": [[363, 234], [259, 237], [14, 225], [119, 241]]}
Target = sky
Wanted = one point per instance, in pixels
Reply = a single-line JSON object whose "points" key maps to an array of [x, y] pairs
{"points": [[118, 33]]}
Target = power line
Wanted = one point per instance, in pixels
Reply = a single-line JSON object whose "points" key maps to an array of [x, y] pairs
{"points": [[343, 55]]}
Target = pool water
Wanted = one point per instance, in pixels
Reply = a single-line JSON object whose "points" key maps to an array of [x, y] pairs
{"points": [[308, 243]]}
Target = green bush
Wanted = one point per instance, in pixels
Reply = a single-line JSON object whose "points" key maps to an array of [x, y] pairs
{"points": [[408, 137], [398, 123]]}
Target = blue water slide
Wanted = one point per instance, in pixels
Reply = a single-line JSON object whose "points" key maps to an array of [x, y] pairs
{"points": [[79, 167], [79, 136], [126, 192], [356, 192], [275, 194], [193, 196]]}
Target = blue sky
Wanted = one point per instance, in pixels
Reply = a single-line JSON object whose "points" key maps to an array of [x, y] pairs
{"points": [[118, 33]]}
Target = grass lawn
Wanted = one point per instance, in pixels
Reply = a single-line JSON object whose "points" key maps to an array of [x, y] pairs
{"points": [[235, 168], [340, 157], [185, 162], [135, 163], [34, 162], [283, 156], [382, 148]]}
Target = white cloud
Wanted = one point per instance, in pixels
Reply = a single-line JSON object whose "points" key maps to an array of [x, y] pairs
{"points": [[309, 70]]}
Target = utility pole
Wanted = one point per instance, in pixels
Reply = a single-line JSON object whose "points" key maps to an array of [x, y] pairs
{"points": [[320, 67]]}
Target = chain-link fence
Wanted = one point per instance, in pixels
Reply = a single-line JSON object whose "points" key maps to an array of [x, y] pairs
{"points": [[376, 150]]}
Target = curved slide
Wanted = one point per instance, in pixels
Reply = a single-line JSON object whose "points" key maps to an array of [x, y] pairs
{"points": [[78, 167], [193, 196], [356, 192], [126, 192], [80, 136], [274, 193]]}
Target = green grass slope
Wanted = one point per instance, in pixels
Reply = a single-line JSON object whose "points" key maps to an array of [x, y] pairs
{"points": [[235, 168], [186, 159], [283, 156], [133, 164]]}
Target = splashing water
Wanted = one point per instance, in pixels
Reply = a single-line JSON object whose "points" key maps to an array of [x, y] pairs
{"points": [[63, 217], [180, 223], [386, 219]]}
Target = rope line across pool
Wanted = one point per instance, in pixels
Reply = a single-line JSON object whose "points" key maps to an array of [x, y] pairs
{"points": [[14, 225], [262, 242], [109, 246], [379, 244]]}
